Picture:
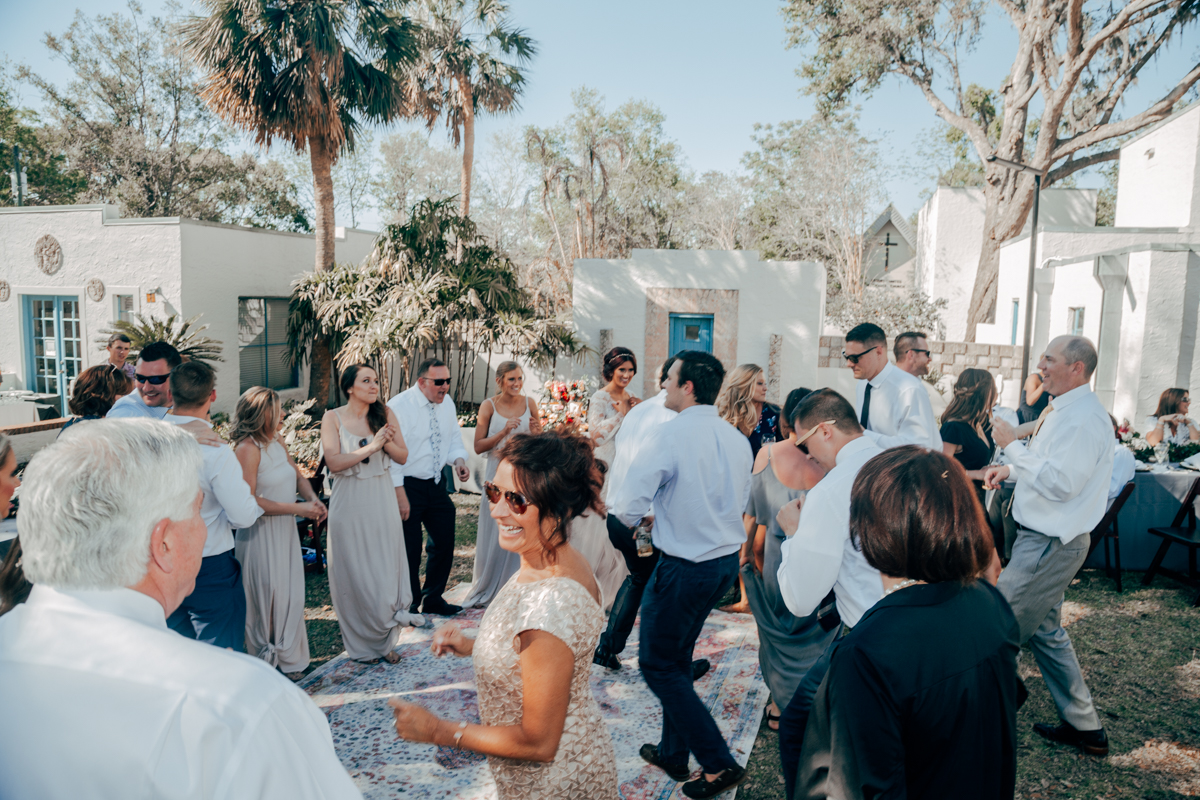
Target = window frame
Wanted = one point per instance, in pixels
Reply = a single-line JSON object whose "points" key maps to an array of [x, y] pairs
{"points": [[265, 347]]}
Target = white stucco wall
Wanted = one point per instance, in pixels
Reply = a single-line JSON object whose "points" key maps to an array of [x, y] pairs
{"points": [[193, 268], [774, 297], [1157, 183]]}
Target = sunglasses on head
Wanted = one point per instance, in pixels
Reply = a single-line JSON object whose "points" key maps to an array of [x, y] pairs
{"points": [[853, 359], [438, 381], [157, 380], [800, 442], [516, 500]]}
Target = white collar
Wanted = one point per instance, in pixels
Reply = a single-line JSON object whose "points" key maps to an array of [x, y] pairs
{"points": [[183, 419], [884, 375], [850, 448], [124, 602], [1067, 398]]}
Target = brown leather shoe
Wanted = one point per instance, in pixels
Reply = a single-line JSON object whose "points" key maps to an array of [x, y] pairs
{"points": [[1093, 743]]}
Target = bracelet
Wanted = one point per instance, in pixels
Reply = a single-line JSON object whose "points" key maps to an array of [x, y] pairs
{"points": [[457, 743]]}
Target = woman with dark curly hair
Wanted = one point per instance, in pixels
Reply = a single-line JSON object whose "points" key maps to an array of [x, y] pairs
{"points": [[95, 391], [533, 654], [612, 401], [920, 700]]}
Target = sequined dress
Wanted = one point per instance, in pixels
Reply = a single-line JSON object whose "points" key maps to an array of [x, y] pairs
{"points": [[585, 766]]}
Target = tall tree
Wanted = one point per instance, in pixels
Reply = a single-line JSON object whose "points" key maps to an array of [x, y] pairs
{"points": [[50, 181], [1074, 59], [308, 73], [410, 170], [471, 60]]}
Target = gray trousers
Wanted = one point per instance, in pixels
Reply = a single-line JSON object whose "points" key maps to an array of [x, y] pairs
{"points": [[1033, 583]]}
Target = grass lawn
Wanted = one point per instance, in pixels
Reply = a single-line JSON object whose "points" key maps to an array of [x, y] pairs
{"points": [[1139, 654]]}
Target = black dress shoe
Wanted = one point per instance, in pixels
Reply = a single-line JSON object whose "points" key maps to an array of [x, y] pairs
{"points": [[1094, 743], [677, 772], [606, 659], [700, 668], [442, 608], [703, 787]]}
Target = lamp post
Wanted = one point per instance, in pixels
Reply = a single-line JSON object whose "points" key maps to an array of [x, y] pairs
{"points": [[1037, 174]]}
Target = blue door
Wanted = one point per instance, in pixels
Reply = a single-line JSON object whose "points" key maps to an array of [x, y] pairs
{"points": [[53, 345], [691, 332]]}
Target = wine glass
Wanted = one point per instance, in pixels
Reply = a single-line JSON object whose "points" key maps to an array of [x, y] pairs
{"points": [[1162, 453]]}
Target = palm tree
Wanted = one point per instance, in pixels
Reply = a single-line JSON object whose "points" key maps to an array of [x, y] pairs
{"points": [[308, 72], [471, 60]]}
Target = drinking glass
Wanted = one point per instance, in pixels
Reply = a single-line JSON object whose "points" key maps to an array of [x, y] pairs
{"points": [[1162, 453]]}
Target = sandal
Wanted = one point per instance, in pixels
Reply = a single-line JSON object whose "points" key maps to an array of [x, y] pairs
{"points": [[772, 718], [391, 657]]}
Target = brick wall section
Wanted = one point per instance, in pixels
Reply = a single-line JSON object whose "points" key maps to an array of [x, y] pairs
{"points": [[949, 358]]}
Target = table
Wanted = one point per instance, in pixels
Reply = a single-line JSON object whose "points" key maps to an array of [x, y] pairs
{"points": [[1154, 503]]}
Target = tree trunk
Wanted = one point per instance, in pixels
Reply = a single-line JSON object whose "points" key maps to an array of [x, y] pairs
{"points": [[320, 368], [1007, 207], [468, 107]]}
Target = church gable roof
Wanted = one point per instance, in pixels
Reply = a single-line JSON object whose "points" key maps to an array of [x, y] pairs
{"points": [[890, 214]]}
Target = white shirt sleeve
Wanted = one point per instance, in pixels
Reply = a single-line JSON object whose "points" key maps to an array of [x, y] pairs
{"points": [[233, 493], [289, 756], [1061, 475], [812, 559], [917, 424], [457, 449], [652, 467], [1124, 467]]}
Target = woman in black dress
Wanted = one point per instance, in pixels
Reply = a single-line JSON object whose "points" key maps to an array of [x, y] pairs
{"points": [[1034, 399], [921, 696], [967, 424]]}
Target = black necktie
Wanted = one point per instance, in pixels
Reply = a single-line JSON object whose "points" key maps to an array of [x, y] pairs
{"points": [[866, 412]]}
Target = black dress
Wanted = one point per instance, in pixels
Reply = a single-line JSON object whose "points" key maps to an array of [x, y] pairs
{"points": [[1028, 413], [920, 701], [768, 425]]}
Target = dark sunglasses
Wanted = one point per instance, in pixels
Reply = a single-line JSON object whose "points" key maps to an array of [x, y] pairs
{"points": [[438, 381], [853, 359], [516, 501], [157, 380], [917, 350]]}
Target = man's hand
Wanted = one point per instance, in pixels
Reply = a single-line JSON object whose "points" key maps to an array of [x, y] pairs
{"points": [[402, 501], [994, 476], [789, 516], [647, 521], [1003, 434], [204, 434], [461, 471]]}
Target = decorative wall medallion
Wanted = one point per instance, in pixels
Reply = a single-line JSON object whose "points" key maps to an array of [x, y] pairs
{"points": [[95, 289], [48, 254], [5, 291]]}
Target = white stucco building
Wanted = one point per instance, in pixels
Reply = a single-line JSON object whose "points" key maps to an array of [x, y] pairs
{"points": [[66, 272], [728, 303], [1133, 288]]}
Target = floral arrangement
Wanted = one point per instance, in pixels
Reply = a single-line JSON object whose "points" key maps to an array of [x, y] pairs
{"points": [[1143, 451], [565, 404]]}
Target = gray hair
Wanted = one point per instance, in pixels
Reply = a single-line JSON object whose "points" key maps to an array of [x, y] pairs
{"points": [[5, 447], [91, 500], [1079, 348]]}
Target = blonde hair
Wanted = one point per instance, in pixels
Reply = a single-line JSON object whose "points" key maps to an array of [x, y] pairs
{"points": [[258, 414], [503, 368], [735, 403]]}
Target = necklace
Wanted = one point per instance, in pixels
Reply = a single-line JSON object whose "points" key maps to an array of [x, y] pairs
{"points": [[901, 585]]}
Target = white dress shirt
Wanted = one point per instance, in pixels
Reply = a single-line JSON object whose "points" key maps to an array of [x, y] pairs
{"points": [[101, 699], [131, 406], [418, 418], [694, 473], [641, 420], [228, 503], [1063, 473], [900, 412], [1124, 467], [820, 555]]}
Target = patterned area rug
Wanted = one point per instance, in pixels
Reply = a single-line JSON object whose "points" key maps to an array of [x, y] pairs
{"points": [[354, 697]]}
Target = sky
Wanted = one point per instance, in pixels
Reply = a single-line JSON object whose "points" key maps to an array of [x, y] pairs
{"points": [[713, 68]]}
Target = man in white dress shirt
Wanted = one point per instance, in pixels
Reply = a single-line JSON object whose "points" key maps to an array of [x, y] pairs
{"points": [[1061, 493], [891, 405], [641, 421], [692, 478], [818, 554], [429, 424], [99, 698], [215, 612], [911, 349]]}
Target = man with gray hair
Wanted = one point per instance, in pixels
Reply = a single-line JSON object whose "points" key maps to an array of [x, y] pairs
{"points": [[1061, 493], [100, 698]]}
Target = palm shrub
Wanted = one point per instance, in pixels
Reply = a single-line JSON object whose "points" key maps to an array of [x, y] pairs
{"points": [[184, 335]]}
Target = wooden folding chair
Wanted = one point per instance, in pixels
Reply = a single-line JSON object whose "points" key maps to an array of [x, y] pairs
{"points": [[1182, 530], [313, 530], [1107, 529]]}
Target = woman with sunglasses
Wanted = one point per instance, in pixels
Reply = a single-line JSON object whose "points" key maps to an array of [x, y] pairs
{"points": [[368, 568], [533, 653], [507, 413]]}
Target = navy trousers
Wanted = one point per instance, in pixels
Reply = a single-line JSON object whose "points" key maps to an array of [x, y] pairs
{"points": [[678, 599], [215, 611], [629, 596]]}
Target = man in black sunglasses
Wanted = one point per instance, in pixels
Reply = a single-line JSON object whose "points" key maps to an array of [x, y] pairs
{"points": [[151, 396], [911, 349]]}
